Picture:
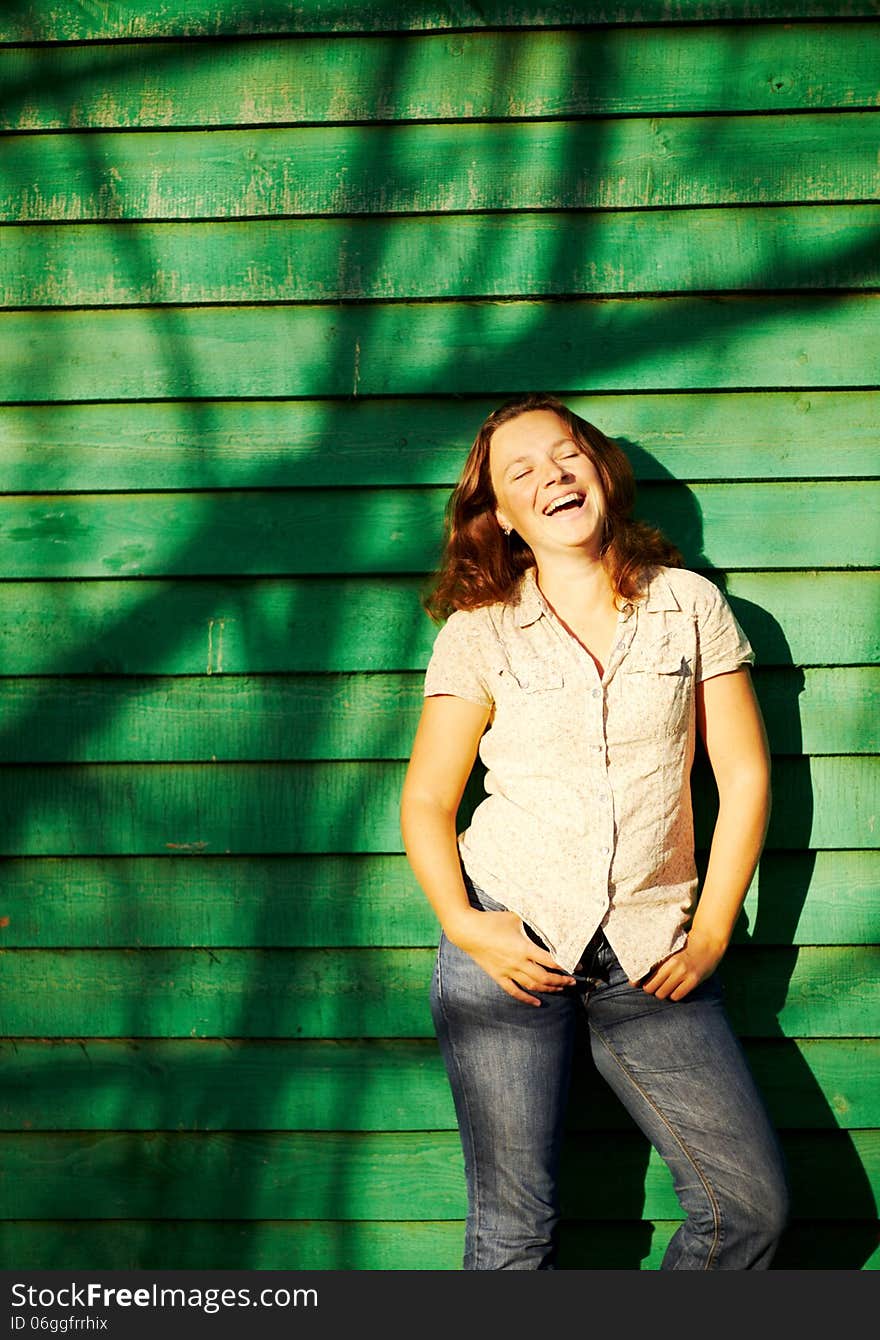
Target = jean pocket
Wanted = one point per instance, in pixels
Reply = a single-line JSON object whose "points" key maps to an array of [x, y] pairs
{"points": [[479, 898]]}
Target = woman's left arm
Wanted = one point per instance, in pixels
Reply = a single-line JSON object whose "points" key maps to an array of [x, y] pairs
{"points": [[730, 725]]}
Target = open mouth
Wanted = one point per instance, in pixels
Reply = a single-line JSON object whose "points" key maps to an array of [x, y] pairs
{"points": [[565, 503]]}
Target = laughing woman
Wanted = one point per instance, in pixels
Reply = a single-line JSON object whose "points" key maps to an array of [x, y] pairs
{"points": [[582, 660]]}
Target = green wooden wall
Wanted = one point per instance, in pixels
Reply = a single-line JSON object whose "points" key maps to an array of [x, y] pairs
{"points": [[263, 269]]}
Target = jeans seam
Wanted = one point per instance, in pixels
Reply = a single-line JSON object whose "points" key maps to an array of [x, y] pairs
{"points": [[716, 1215], [477, 1198]]}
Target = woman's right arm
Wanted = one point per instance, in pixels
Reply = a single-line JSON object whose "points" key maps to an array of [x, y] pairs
{"points": [[443, 754]]}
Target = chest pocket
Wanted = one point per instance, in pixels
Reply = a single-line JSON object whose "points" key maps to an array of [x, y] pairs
{"points": [[534, 676], [657, 684], [530, 709]]}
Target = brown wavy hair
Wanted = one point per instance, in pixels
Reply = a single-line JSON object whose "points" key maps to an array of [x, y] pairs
{"points": [[480, 565]]}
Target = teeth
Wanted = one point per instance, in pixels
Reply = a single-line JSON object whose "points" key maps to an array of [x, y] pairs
{"points": [[557, 502]]}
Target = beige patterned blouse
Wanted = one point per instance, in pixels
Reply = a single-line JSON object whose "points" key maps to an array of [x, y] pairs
{"points": [[587, 819]]}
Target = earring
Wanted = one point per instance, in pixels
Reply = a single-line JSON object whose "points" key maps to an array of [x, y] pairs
{"points": [[506, 529]]}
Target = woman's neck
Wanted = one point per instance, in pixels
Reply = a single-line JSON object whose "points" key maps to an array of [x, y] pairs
{"points": [[582, 598], [582, 581]]}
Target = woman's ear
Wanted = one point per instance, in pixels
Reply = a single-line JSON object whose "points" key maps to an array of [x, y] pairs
{"points": [[502, 521]]}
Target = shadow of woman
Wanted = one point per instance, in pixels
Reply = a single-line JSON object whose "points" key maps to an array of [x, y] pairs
{"points": [[614, 1207], [833, 1210]]}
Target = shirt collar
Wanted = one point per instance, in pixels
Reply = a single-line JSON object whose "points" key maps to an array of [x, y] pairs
{"points": [[660, 595], [530, 604]]}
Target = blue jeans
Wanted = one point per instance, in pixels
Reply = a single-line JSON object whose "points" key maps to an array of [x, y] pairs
{"points": [[675, 1065]]}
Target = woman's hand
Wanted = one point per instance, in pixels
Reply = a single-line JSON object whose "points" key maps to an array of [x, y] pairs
{"points": [[677, 975], [497, 941], [443, 753]]}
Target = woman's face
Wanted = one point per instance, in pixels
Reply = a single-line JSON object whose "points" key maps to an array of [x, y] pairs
{"points": [[547, 489]]}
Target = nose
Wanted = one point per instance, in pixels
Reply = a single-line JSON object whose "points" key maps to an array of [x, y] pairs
{"points": [[557, 473]]}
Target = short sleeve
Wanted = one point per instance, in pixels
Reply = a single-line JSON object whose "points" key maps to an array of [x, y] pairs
{"points": [[456, 666], [723, 646]]}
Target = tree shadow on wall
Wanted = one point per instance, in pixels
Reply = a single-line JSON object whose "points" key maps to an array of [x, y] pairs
{"points": [[203, 1162]]}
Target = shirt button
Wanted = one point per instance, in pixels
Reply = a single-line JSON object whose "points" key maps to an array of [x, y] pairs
{"points": [[604, 850], [597, 693]]}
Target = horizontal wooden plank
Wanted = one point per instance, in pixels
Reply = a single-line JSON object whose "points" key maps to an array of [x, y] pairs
{"points": [[313, 444], [776, 609], [528, 73], [800, 897], [74, 719], [820, 711], [346, 531], [468, 256], [380, 1176], [211, 627], [237, 808], [70, 21], [209, 1085], [614, 344], [153, 1244], [631, 162], [79, 719], [371, 623], [344, 993], [803, 898]]}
